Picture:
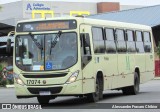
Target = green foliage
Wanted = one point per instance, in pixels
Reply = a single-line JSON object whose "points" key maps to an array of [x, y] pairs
{"points": [[3, 64], [0, 7], [1, 67], [4, 82], [158, 49]]}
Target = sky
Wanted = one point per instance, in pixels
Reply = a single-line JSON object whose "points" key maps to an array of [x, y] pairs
{"points": [[122, 2]]}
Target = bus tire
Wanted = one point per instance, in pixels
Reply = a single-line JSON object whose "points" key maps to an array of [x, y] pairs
{"points": [[98, 94], [43, 99], [132, 90]]}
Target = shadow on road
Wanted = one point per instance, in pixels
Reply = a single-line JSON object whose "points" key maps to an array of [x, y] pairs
{"points": [[83, 103], [79, 103]]}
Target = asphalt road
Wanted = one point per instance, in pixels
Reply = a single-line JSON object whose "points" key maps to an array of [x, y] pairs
{"points": [[149, 93]]}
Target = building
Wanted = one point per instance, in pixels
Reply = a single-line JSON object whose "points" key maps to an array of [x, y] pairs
{"points": [[12, 12]]}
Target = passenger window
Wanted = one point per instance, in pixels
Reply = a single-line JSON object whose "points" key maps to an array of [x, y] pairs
{"points": [[139, 36], [139, 42], [147, 37], [109, 34], [120, 35], [130, 35], [121, 44], [130, 41], [110, 42], [147, 42], [98, 40]]}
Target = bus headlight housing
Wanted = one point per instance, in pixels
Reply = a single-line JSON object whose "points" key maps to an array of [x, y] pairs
{"points": [[73, 77], [18, 79]]}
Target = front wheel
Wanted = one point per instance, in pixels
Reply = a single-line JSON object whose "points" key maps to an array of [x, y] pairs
{"points": [[98, 94]]}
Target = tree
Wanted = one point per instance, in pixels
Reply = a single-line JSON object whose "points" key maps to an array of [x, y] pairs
{"points": [[0, 8], [158, 50]]}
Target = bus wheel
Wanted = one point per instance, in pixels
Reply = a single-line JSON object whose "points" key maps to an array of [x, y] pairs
{"points": [[94, 97], [43, 99], [132, 90]]}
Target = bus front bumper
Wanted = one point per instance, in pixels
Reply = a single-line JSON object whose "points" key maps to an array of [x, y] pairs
{"points": [[57, 90]]}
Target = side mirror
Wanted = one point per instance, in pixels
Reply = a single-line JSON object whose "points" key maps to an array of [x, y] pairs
{"points": [[11, 33], [8, 47]]}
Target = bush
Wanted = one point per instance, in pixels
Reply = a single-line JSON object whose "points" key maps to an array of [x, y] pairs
{"points": [[4, 82], [1, 67], [6, 79]]}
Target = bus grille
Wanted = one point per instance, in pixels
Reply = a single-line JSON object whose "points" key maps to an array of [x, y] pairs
{"points": [[53, 90]]}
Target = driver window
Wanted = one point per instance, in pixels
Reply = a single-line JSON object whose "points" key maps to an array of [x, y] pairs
{"points": [[85, 44], [85, 49]]}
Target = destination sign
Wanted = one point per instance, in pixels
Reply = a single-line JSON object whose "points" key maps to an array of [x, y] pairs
{"points": [[46, 26]]}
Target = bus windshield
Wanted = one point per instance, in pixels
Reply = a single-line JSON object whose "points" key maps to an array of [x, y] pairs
{"points": [[29, 57]]}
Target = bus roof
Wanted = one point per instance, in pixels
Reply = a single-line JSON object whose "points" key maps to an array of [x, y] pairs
{"points": [[94, 22]]}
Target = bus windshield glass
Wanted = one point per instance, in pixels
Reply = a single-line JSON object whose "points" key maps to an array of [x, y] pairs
{"points": [[29, 57]]}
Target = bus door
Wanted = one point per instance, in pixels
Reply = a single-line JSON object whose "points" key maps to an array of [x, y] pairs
{"points": [[87, 64]]}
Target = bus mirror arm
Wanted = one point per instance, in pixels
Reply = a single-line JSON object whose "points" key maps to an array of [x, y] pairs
{"points": [[8, 47]]}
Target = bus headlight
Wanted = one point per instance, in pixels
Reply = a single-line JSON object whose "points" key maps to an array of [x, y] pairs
{"points": [[18, 79], [73, 77]]}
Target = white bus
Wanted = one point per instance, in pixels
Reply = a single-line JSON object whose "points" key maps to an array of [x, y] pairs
{"points": [[80, 57]]}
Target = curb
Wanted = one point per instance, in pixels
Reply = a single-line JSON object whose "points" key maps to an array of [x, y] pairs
{"points": [[157, 78], [9, 86]]}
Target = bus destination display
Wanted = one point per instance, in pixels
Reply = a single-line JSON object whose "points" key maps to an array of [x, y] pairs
{"points": [[46, 26]]}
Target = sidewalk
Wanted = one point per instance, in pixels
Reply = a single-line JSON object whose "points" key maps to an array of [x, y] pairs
{"points": [[7, 86]]}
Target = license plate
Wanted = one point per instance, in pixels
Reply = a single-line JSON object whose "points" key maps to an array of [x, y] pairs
{"points": [[44, 93]]}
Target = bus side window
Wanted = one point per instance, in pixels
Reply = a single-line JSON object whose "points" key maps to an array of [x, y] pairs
{"points": [[139, 42], [110, 41], [98, 40], [121, 43], [147, 42], [130, 41]]}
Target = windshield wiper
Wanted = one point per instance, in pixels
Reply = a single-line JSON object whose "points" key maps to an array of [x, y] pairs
{"points": [[35, 41], [54, 42]]}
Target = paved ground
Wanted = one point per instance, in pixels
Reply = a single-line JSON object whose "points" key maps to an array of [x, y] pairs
{"points": [[149, 93]]}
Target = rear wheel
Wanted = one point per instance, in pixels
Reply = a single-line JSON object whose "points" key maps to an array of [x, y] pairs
{"points": [[132, 90], [98, 94], [43, 99]]}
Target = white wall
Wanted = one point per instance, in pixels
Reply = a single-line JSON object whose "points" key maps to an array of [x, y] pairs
{"points": [[11, 10], [59, 8]]}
